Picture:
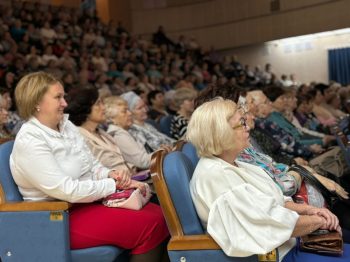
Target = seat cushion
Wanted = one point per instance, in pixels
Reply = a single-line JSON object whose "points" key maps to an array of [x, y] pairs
{"points": [[93, 254]]}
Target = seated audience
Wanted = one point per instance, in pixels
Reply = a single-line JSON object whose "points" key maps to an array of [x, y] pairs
{"points": [[87, 111], [306, 117], [50, 160], [288, 181], [183, 99], [278, 97], [290, 107], [4, 133], [157, 106], [334, 105], [244, 200], [143, 132], [320, 109], [14, 122], [119, 119]]}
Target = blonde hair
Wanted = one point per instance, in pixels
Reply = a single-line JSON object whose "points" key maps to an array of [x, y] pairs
{"points": [[111, 106], [209, 130], [30, 90], [183, 94]]}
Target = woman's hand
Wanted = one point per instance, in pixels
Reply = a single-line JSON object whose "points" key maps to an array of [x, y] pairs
{"points": [[332, 186], [315, 148], [332, 222], [140, 185], [327, 139], [122, 177], [301, 161]]}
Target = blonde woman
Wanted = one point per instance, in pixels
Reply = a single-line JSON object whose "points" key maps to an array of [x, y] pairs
{"points": [[50, 160], [238, 203]]}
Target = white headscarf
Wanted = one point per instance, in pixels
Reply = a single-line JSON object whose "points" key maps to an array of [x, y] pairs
{"points": [[131, 98]]}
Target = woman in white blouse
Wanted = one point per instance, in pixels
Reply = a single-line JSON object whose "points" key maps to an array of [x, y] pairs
{"points": [[238, 203], [50, 160]]}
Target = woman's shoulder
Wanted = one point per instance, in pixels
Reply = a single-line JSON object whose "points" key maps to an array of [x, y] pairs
{"points": [[218, 168]]}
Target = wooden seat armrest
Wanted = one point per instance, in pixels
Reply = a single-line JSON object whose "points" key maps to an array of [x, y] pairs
{"points": [[34, 206], [192, 242]]}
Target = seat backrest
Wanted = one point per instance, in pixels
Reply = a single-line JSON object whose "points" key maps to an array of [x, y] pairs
{"points": [[177, 171], [8, 187], [165, 123], [190, 151]]}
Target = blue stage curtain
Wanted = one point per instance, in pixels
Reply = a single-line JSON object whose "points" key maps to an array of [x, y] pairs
{"points": [[339, 65]]}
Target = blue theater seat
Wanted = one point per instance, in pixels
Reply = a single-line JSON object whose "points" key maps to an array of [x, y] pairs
{"points": [[39, 231], [171, 174]]}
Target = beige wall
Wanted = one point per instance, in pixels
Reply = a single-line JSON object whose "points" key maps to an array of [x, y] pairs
{"points": [[306, 57], [233, 23]]}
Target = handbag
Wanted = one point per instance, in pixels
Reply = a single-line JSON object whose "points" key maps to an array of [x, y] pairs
{"points": [[331, 161], [129, 199], [330, 197], [322, 242], [340, 207]]}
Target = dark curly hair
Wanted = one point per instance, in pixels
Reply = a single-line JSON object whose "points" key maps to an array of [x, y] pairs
{"points": [[80, 101], [226, 91], [273, 92]]}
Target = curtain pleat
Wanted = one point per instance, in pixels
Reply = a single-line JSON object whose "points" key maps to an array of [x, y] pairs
{"points": [[339, 65]]}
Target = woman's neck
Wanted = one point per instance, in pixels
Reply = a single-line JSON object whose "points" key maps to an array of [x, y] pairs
{"points": [[90, 126], [48, 123], [139, 122], [229, 156]]}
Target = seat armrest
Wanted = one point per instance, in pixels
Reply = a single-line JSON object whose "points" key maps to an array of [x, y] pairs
{"points": [[34, 206], [192, 242]]}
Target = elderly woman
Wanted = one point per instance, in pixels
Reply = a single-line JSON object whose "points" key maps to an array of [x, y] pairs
{"points": [[143, 132], [264, 151], [119, 119], [244, 201], [184, 101], [50, 160], [4, 133], [87, 111], [14, 122]]}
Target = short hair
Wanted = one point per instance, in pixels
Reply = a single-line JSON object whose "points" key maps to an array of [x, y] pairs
{"points": [[306, 98], [321, 88], [226, 91], [152, 95], [30, 90], [111, 103], [80, 101], [183, 94], [209, 130], [274, 92]]}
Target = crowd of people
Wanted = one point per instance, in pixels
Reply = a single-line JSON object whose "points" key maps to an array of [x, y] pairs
{"points": [[117, 88]]}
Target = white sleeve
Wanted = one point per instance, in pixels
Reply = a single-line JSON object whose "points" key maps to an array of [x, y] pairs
{"points": [[244, 221], [34, 159], [296, 123]]}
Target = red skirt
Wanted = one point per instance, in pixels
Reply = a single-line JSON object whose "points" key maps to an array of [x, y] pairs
{"points": [[93, 225]]}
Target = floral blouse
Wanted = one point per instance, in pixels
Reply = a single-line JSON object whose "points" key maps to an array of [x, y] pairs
{"points": [[288, 144], [277, 171], [288, 127], [149, 135]]}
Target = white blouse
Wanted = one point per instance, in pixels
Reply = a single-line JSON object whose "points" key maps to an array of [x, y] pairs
{"points": [[242, 208], [47, 164]]}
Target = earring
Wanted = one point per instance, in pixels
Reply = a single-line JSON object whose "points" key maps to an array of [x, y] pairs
{"points": [[38, 109]]}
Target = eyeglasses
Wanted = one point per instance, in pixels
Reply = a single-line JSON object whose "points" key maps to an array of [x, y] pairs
{"points": [[242, 123]]}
